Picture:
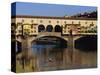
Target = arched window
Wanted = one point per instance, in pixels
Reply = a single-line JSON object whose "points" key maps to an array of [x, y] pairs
{"points": [[49, 21], [49, 28], [57, 21], [41, 28], [58, 28]]}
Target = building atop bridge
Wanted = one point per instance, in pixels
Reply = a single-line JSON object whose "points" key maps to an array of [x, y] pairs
{"points": [[36, 24]]}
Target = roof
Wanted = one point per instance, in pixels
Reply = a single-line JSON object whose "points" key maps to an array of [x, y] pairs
{"points": [[53, 17]]}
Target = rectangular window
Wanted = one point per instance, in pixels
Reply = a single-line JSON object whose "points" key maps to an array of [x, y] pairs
{"points": [[32, 26], [34, 30], [31, 31], [20, 31]]}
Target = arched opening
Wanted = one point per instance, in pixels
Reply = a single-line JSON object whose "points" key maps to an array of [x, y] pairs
{"points": [[49, 28], [86, 43], [41, 28], [58, 28], [58, 41], [49, 49]]}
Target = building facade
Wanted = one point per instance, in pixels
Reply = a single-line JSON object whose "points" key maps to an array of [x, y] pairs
{"points": [[63, 25]]}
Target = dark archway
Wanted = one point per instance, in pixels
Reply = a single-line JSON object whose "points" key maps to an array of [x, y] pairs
{"points": [[58, 28], [41, 28], [53, 40], [49, 49], [86, 43], [49, 28]]}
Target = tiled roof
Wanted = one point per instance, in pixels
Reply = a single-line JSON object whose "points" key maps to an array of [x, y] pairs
{"points": [[53, 17]]}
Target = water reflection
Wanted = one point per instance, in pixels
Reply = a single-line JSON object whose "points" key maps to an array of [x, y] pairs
{"points": [[48, 55], [51, 58]]}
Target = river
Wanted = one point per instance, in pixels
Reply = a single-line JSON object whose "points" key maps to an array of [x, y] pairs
{"points": [[50, 57]]}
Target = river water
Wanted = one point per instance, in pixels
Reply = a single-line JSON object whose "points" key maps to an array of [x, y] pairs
{"points": [[50, 57]]}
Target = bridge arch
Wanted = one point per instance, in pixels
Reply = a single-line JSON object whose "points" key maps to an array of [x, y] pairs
{"points": [[86, 43], [64, 39], [49, 28], [77, 37], [41, 28], [58, 28], [48, 36]]}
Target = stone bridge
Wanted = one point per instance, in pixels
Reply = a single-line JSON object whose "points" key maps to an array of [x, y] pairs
{"points": [[69, 38], [56, 34]]}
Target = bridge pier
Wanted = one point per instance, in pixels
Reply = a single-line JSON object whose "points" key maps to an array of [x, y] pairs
{"points": [[70, 47], [68, 52], [26, 53], [70, 55]]}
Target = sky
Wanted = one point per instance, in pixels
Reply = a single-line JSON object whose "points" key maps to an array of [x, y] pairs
{"points": [[42, 9]]}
